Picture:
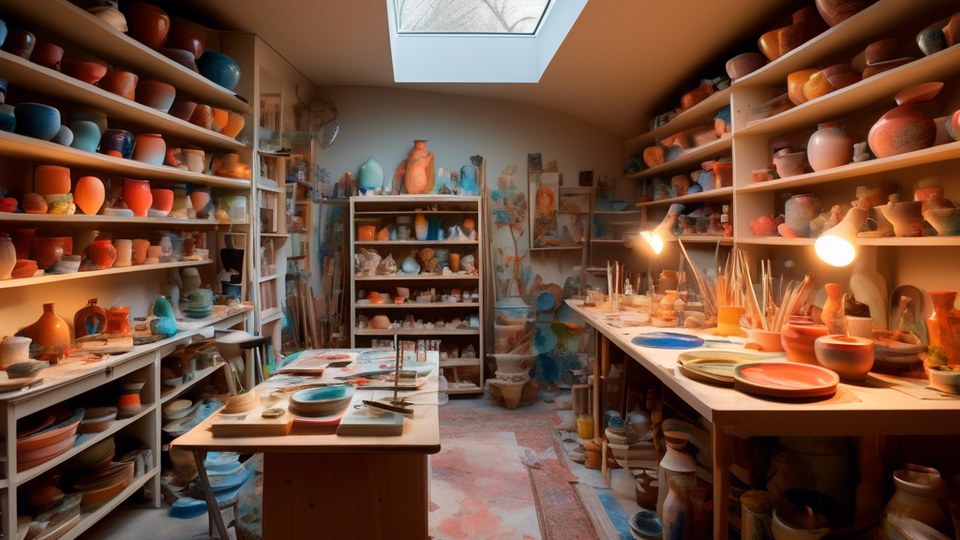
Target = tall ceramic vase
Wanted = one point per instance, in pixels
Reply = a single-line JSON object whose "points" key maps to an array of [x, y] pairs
{"points": [[8, 257], [677, 509], [49, 331], [420, 227], [136, 194], [869, 286], [419, 175], [943, 326], [676, 462], [832, 314]]}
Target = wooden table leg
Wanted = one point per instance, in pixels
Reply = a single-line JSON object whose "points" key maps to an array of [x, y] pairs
{"points": [[326, 496], [722, 449], [213, 507]]}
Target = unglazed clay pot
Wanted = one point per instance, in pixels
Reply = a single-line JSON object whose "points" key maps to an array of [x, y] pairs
{"points": [[943, 327], [202, 116], [51, 180], [235, 123], [850, 357], [47, 55], [835, 12], [89, 194], [799, 211], [140, 248], [33, 203], [50, 331], [906, 128], [906, 216], [99, 255], [124, 248], [419, 175], [88, 72], [790, 163], [121, 83], [829, 147], [917, 497], [46, 251], [8, 257], [194, 159], [147, 24], [25, 268], [162, 201], [768, 341], [798, 341], [137, 196], [150, 149], [155, 94]]}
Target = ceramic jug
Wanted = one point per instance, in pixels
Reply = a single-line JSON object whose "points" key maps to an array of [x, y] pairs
{"points": [[50, 331]]}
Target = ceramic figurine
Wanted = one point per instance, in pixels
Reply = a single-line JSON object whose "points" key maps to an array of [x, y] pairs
{"points": [[906, 216], [943, 327], [90, 320], [99, 255], [832, 314], [371, 175], [829, 147], [8, 256], [49, 332], [799, 211], [165, 323], [14, 350], [906, 128], [798, 341], [917, 494]]}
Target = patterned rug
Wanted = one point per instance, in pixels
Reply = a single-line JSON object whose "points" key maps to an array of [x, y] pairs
{"points": [[480, 487]]}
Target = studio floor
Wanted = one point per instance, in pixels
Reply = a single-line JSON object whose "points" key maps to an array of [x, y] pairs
{"points": [[501, 475]]}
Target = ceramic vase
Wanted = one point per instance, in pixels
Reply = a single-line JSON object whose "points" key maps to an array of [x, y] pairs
{"points": [[371, 175], [200, 199], [202, 116], [798, 341], [20, 43], [799, 211], [124, 249], [147, 24], [90, 320], [150, 149], [908, 127], [677, 509], [419, 174], [140, 247], [89, 195], [943, 327], [50, 331], [14, 350], [117, 143], [118, 321], [137, 196], [869, 286], [162, 202], [46, 251], [905, 216], [99, 255], [420, 227], [47, 55], [850, 357], [8, 257], [829, 147], [219, 68], [832, 314], [121, 83], [917, 496], [756, 514], [194, 159], [676, 462]]}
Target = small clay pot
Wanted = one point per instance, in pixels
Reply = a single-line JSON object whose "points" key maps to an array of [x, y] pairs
{"points": [[798, 341], [906, 216], [850, 357], [46, 251], [162, 200], [234, 125], [51, 180], [148, 24], [790, 163], [47, 55], [121, 83], [150, 149], [88, 72], [155, 94], [768, 341], [182, 110]]}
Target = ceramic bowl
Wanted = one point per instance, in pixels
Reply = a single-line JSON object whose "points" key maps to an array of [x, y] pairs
{"points": [[182, 110], [798, 523], [111, 16], [851, 357], [715, 366], [242, 402], [155, 94], [86, 135], [25, 370], [37, 120], [97, 419], [324, 401], [619, 206], [792, 164], [798, 341], [148, 24], [645, 525], [88, 72], [945, 378], [20, 43], [183, 57], [768, 341], [219, 68], [181, 38], [121, 83], [945, 220], [47, 55], [96, 453]]}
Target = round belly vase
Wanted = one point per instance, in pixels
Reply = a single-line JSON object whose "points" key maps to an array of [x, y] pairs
{"points": [[830, 146], [147, 24], [918, 490], [46, 251], [89, 195], [799, 211], [907, 128], [219, 68], [8, 257], [99, 255], [419, 175], [50, 331], [150, 149], [137, 196]]}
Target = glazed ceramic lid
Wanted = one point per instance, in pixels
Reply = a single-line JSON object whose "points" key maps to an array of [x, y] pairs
{"points": [[785, 380]]}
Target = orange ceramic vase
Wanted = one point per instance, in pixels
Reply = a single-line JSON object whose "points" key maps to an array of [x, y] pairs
{"points": [[51, 180], [832, 314], [798, 340], [137, 196], [49, 331], [419, 176], [89, 195], [944, 325]]}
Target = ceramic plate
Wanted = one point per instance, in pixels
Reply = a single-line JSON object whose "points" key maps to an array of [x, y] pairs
{"points": [[785, 379], [667, 340], [715, 366]]}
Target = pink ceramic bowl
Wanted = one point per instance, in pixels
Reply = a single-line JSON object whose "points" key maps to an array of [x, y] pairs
{"points": [[850, 357]]}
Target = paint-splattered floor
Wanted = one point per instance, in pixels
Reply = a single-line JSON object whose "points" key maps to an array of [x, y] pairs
{"points": [[480, 487]]}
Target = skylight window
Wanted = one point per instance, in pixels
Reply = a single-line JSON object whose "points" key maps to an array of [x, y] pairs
{"points": [[470, 16]]}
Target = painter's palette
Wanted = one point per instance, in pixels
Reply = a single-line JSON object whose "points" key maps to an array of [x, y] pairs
{"points": [[667, 340]]}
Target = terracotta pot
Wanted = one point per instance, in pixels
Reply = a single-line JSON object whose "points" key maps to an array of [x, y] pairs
{"points": [[829, 147], [181, 38], [124, 248], [182, 110], [20, 43], [50, 331], [47, 55], [832, 314], [906, 216], [156, 95], [768, 341], [118, 321], [140, 247], [33, 203], [917, 497], [90, 320], [121, 83], [419, 175], [798, 341], [150, 149], [8, 257], [850, 357], [99, 255], [46, 251], [235, 124], [943, 327], [744, 64], [220, 119], [25, 268], [202, 116], [835, 12], [366, 233], [51, 180], [194, 159], [89, 195], [88, 72], [906, 128], [722, 173], [162, 200], [817, 86], [147, 24], [137, 196], [799, 211], [795, 82]]}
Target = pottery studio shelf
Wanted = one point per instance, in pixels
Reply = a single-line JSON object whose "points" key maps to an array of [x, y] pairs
{"points": [[701, 113], [889, 241], [459, 362], [88, 519], [703, 239], [417, 243], [25, 74], [724, 193], [607, 212], [81, 219], [419, 332], [93, 35], [689, 159], [404, 212], [51, 278], [458, 388], [198, 376], [20, 147], [438, 277], [421, 305]]}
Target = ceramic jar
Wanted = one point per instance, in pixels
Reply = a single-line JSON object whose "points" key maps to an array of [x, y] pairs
{"points": [[99, 255], [676, 462], [89, 195], [220, 69], [832, 314], [905, 216], [195, 159], [908, 127], [8, 257], [829, 147], [677, 509], [419, 174], [200, 199], [917, 494], [799, 211], [140, 247], [50, 331], [792, 522], [150, 149], [90, 320], [117, 143], [121, 83], [790, 163], [798, 341], [37, 120], [371, 175], [137, 196], [118, 321], [850, 357], [420, 227], [147, 24], [14, 350], [943, 327], [47, 55], [156, 95], [51, 180], [124, 249]]}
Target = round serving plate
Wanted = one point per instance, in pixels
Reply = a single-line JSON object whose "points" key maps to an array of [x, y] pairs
{"points": [[667, 340], [785, 380]]}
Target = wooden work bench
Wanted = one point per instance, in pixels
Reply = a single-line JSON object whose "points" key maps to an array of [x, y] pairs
{"points": [[872, 408], [320, 485]]}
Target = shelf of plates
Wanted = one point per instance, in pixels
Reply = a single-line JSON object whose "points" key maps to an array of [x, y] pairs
{"points": [[420, 307], [754, 134]]}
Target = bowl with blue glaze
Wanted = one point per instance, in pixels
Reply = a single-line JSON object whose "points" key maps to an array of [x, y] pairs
{"points": [[324, 401], [37, 120], [220, 69]]}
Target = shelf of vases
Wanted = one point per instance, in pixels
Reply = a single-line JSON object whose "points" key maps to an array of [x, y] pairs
{"points": [[722, 193], [417, 242], [81, 219], [701, 113], [437, 277], [688, 159], [18, 146], [51, 278], [74, 24], [418, 332], [198, 375], [22, 73]]}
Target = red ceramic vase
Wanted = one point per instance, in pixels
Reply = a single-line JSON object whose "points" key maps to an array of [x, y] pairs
{"points": [[147, 24], [51, 180], [943, 326], [89, 195], [121, 83], [137, 196]]}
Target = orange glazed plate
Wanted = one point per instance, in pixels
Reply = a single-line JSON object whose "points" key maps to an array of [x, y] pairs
{"points": [[785, 380]]}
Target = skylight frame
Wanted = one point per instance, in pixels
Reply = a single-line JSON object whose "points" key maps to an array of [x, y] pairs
{"points": [[397, 25]]}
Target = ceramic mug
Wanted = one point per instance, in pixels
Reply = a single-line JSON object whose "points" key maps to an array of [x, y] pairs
{"points": [[860, 326]]}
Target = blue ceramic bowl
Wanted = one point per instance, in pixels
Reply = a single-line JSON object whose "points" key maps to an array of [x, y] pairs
{"points": [[326, 401], [86, 135], [220, 69], [619, 206], [64, 136], [8, 122], [97, 118], [117, 143], [37, 120]]}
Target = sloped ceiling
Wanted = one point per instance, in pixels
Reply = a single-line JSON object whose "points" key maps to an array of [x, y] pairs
{"points": [[622, 61]]}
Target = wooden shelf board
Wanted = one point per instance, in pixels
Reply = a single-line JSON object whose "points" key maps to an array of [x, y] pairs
{"points": [[50, 278], [615, 212], [272, 318], [20, 147], [689, 159], [944, 152], [197, 377], [264, 279], [336, 202], [411, 212], [25, 74], [99, 38], [459, 362], [81, 219], [116, 426], [419, 332], [608, 240], [420, 305], [88, 519], [271, 189], [453, 389], [890, 241], [555, 248], [267, 313], [877, 89], [710, 195], [275, 235], [701, 113], [415, 278], [705, 239], [424, 198], [417, 242]]}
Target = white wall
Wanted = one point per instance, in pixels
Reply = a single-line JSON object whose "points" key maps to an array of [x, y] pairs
{"points": [[382, 123]]}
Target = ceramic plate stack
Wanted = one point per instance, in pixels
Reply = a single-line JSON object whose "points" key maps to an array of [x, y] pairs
{"points": [[197, 413], [102, 486], [56, 435], [97, 419], [785, 380], [896, 357], [242, 403], [177, 409], [54, 523], [199, 304], [326, 401], [98, 457], [715, 366]]}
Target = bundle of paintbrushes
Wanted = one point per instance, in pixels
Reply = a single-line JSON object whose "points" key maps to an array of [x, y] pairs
{"points": [[766, 314]]}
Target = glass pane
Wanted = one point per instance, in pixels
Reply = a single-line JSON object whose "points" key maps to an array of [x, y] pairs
{"points": [[470, 16]]}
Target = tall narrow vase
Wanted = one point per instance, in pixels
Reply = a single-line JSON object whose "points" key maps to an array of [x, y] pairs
{"points": [[676, 462], [943, 326], [677, 509], [832, 314]]}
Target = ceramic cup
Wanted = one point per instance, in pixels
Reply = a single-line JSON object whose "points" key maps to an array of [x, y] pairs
{"points": [[124, 249], [860, 326]]}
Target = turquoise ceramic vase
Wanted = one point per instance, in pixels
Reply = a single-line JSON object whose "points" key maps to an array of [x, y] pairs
{"points": [[371, 175]]}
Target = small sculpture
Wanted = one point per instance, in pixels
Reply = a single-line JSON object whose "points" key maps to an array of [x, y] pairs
{"points": [[164, 324], [468, 264], [387, 266], [368, 260]]}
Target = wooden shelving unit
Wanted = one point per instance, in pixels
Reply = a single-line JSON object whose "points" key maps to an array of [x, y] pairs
{"points": [[452, 210]]}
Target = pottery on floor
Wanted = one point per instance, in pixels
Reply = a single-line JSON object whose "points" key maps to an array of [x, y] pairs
{"points": [[918, 490], [798, 341], [908, 127], [906, 216]]}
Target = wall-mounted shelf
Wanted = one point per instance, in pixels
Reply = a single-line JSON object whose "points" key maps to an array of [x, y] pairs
{"points": [[709, 195], [82, 219], [419, 332], [51, 278], [689, 159], [437, 277], [420, 305], [890, 241], [417, 243], [701, 113]]}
